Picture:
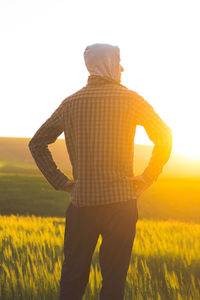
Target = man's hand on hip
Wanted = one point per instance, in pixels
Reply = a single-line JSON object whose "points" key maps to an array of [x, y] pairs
{"points": [[68, 186], [141, 184]]}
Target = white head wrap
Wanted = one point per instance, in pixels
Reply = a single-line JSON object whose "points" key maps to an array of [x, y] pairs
{"points": [[103, 60]]}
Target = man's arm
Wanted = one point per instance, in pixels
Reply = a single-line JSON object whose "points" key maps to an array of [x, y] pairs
{"points": [[47, 134], [160, 134]]}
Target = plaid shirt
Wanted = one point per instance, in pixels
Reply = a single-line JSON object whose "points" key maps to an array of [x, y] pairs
{"points": [[99, 124]]}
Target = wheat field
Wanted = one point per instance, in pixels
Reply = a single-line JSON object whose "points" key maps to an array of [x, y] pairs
{"points": [[164, 264]]}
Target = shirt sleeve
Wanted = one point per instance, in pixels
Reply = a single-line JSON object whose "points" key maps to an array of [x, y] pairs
{"points": [[47, 134], [160, 134]]}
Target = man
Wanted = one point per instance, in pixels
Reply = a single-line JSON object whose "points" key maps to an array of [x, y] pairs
{"points": [[99, 123]]}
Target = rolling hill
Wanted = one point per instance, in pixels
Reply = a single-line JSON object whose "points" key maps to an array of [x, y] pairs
{"points": [[15, 157]]}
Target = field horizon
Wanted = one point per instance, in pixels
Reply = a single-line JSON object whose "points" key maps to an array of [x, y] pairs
{"points": [[15, 156], [24, 191]]}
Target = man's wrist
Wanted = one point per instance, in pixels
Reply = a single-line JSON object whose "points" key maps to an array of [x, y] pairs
{"points": [[68, 185], [147, 178]]}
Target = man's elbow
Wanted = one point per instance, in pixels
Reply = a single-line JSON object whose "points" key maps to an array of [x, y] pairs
{"points": [[170, 136], [32, 146], [167, 143]]}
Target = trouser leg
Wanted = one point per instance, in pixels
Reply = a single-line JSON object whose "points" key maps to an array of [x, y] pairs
{"points": [[115, 251], [79, 243]]}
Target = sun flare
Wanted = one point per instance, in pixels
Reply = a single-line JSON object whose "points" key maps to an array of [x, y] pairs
{"points": [[189, 148]]}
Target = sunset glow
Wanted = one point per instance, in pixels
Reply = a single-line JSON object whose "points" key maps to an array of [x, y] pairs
{"points": [[42, 60], [189, 148]]}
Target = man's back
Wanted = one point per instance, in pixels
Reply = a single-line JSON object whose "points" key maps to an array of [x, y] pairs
{"points": [[99, 123]]}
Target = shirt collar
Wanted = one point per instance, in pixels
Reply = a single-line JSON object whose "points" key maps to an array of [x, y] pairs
{"points": [[98, 80]]}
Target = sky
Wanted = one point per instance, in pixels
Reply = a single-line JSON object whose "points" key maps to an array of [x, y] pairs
{"points": [[41, 59]]}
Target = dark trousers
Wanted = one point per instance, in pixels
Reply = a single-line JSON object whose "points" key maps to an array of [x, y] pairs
{"points": [[117, 225]]}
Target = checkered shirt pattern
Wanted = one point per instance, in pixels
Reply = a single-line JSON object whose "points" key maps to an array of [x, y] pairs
{"points": [[99, 123]]}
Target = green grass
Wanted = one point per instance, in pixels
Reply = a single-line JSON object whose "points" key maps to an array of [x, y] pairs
{"points": [[169, 198], [30, 194], [164, 263]]}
